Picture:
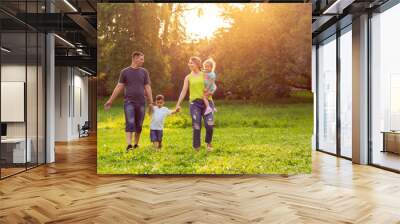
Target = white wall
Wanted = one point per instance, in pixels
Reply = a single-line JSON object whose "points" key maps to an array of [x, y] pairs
{"points": [[13, 73], [81, 94], [33, 126], [71, 94], [62, 81]]}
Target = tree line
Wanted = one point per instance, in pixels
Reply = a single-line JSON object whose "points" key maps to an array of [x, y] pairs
{"points": [[264, 53]]}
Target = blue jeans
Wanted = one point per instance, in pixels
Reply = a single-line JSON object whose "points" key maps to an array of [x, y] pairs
{"points": [[134, 116], [197, 108], [156, 135]]}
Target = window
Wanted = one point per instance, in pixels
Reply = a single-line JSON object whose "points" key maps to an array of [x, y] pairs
{"points": [[22, 76], [346, 92], [327, 95], [385, 89]]}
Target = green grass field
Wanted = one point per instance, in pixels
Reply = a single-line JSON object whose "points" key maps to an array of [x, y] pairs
{"points": [[249, 138]]}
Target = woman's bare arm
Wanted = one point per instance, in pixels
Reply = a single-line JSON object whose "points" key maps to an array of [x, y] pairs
{"points": [[183, 92]]}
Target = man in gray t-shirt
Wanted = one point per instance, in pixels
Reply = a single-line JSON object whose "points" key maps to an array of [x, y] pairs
{"points": [[135, 82]]}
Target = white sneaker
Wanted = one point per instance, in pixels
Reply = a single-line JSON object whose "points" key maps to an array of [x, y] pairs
{"points": [[208, 110]]}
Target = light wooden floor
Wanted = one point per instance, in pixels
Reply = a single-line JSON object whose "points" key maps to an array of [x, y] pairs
{"points": [[69, 191], [5, 172], [9, 171], [387, 159]]}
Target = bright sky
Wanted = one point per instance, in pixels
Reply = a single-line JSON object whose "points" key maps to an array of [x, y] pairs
{"points": [[204, 26]]}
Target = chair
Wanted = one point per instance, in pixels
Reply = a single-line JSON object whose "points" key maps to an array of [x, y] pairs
{"points": [[84, 130]]}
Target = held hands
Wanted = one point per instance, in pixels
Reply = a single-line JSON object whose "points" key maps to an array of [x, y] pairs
{"points": [[177, 109]]}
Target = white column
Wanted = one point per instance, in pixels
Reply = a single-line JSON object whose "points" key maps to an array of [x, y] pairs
{"points": [[360, 90], [50, 94], [314, 91]]}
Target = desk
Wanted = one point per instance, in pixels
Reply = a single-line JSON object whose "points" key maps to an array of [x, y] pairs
{"points": [[17, 152], [391, 141]]}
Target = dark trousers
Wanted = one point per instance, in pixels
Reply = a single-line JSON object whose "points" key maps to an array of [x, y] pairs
{"points": [[197, 108]]}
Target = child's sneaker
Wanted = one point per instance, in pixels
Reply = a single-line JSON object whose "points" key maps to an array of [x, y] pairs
{"points": [[209, 148], [208, 110], [129, 147]]}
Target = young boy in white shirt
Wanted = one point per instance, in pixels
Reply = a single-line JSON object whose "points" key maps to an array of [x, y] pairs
{"points": [[158, 115]]}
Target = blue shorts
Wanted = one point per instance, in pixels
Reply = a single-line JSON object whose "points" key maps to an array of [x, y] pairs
{"points": [[156, 135], [134, 116]]}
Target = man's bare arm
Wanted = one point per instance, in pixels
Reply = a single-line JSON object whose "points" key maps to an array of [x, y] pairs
{"points": [[117, 90], [147, 89]]}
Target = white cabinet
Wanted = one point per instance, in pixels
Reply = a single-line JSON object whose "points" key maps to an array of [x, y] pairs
{"points": [[19, 155]]}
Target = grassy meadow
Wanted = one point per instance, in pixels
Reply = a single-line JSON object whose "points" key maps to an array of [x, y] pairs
{"points": [[249, 138]]}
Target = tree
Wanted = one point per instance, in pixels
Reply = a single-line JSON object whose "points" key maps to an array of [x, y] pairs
{"points": [[265, 51], [124, 28]]}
